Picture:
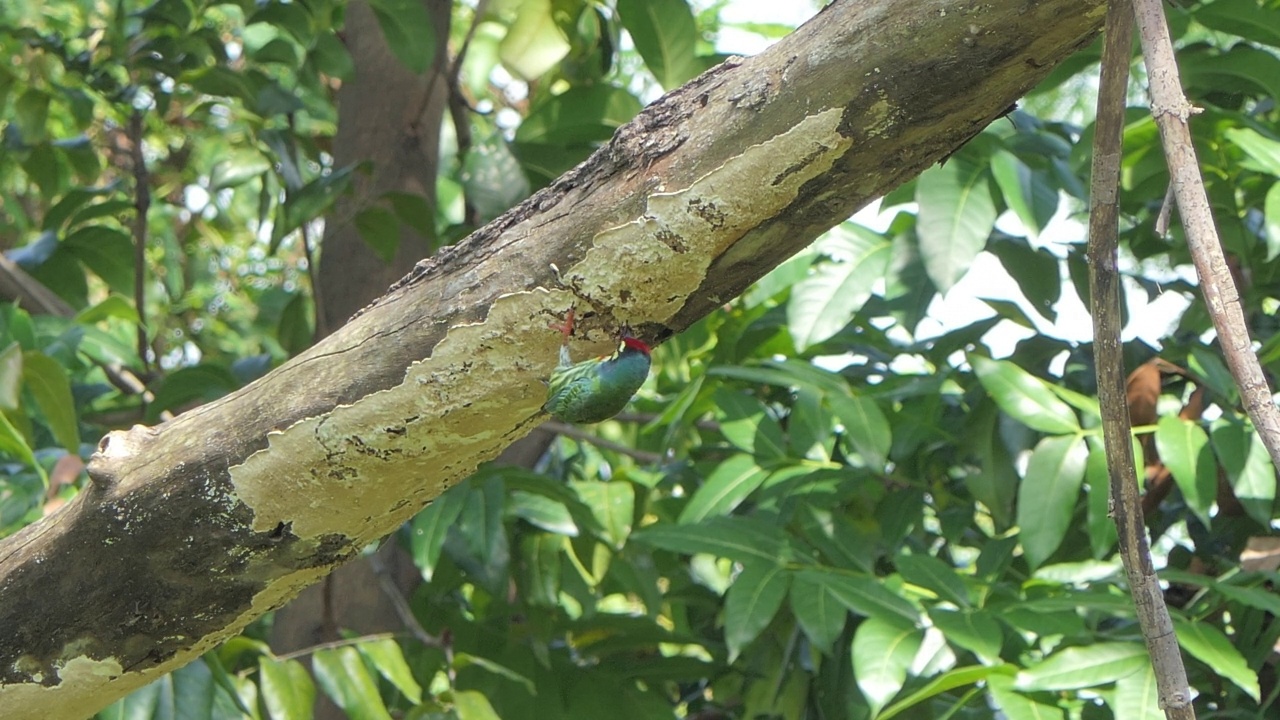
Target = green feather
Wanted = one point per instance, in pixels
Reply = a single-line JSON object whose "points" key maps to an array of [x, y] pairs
{"points": [[596, 390]]}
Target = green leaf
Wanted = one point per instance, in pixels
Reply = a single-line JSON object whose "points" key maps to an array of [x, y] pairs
{"points": [[477, 541], [535, 43], [809, 427], [1240, 17], [613, 505], [114, 306], [526, 484], [736, 538], [544, 512], [295, 331], [883, 651], [862, 594], [1017, 706], [865, 427], [72, 201], [1027, 193], [309, 202], [1081, 667], [380, 230], [463, 659], [408, 30], [388, 659], [1251, 596], [821, 615], [824, 302], [949, 680], [1207, 644], [541, 553], [1137, 697], [724, 489], [51, 388], [929, 572], [31, 115], [1038, 272], [666, 37], [473, 705], [580, 114], [199, 382], [1047, 498], [343, 677], [975, 631], [11, 378], [106, 251], [1098, 522], [748, 426], [286, 689], [1241, 69], [429, 528], [1272, 228], [332, 58], [492, 177], [1248, 467], [1184, 449], [293, 18], [956, 216], [1024, 397], [1261, 150], [751, 603], [996, 485], [238, 167]]}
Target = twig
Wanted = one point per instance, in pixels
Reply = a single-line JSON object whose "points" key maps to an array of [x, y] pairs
{"points": [[321, 328], [1104, 282], [458, 105], [403, 611], [31, 294], [333, 644], [644, 456], [646, 418], [141, 204], [1171, 111]]}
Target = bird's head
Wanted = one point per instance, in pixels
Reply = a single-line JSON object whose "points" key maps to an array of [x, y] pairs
{"points": [[632, 343]]}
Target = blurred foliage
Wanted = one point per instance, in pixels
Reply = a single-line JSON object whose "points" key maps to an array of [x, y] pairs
{"points": [[829, 503]]}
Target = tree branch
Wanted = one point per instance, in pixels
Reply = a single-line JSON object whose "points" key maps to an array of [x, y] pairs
{"points": [[1171, 110], [141, 205], [1104, 282], [189, 530]]}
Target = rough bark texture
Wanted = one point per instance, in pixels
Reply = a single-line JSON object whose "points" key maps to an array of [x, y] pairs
{"points": [[191, 529], [389, 119]]}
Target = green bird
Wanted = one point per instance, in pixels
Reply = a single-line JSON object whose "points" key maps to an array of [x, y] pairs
{"points": [[595, 390]]}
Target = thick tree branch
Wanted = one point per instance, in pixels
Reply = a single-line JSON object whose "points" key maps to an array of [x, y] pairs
{"points": [[1104, 283], [190, 530]]}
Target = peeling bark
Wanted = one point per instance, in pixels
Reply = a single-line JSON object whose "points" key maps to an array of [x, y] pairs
{"points": [[190, 530]]}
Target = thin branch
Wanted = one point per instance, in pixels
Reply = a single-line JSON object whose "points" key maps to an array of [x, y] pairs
{"points": [[321, 328], [334, 644], [1104, 282], [403, 611], [141, 205], [571, 431], [459, 108], [1171, 111]]}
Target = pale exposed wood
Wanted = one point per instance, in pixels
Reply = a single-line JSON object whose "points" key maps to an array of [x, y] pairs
{"points": [[190, 530]]}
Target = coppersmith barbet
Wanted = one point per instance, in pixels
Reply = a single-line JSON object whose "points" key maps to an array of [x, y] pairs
{"points": [[595, 390]]}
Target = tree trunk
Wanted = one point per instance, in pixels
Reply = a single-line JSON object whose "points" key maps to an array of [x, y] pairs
{"points": [[389, 118], [191, 529]]}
